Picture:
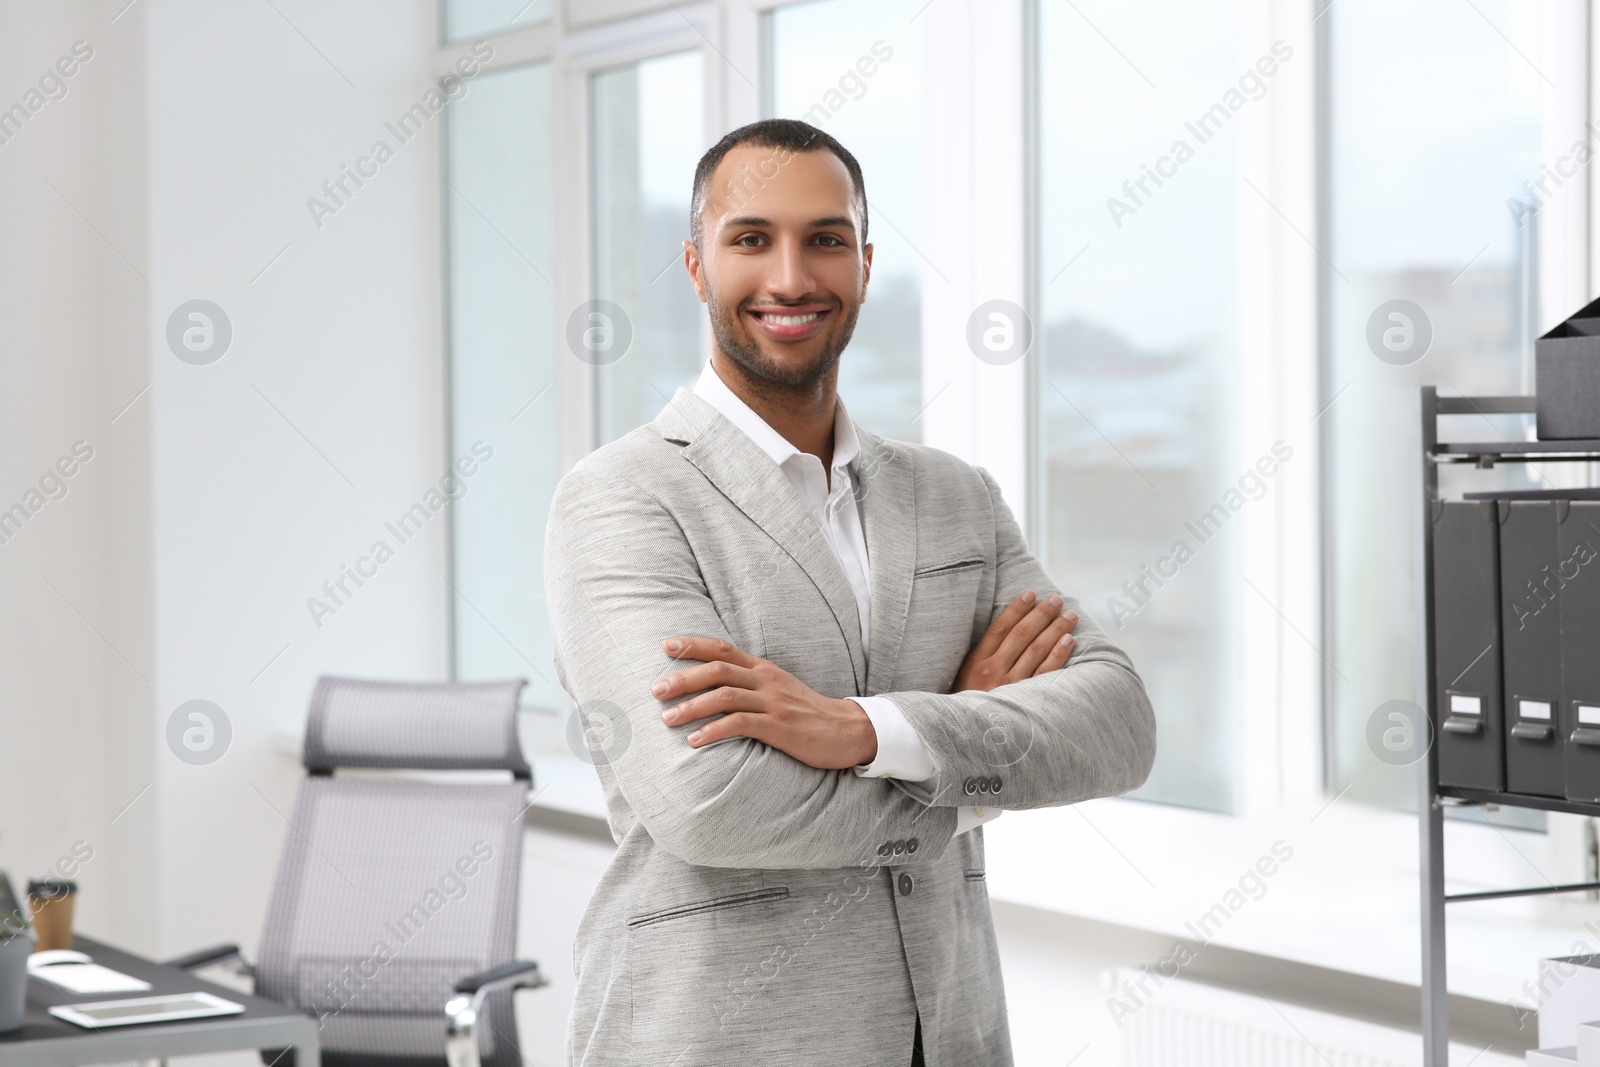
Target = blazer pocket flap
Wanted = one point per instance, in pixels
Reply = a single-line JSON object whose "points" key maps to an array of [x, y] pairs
{"points": [[735, 900]]}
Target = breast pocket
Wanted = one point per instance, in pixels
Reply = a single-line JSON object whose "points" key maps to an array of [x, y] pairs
{"points": [[951, 567], [941, 623]]}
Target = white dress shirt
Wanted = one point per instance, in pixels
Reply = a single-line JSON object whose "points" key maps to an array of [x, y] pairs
{"points": [[901, 752]]}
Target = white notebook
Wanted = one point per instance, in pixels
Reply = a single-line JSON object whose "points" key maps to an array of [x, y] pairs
{"points": [[88, 978]]}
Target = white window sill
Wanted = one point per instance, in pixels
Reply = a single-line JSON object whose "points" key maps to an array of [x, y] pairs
{"points": [[1347, 899]]}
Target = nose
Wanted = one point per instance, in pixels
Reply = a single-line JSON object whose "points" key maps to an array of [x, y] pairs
{"points": [[789, 279]]}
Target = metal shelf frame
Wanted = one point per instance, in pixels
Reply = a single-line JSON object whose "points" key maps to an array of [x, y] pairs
{"points": [[1434, 798]]}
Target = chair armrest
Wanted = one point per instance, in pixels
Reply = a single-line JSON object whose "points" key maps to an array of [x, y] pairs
{"points": [[463, 1010], [207, 957], [495, 977]]}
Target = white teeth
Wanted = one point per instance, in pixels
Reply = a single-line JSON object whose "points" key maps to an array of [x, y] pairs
{"points": [[789, 320]]}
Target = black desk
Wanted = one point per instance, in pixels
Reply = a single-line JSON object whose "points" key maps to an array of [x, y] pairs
{"points": [[45, 1041]]}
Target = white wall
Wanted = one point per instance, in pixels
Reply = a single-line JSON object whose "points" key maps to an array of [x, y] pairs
{"points": [[75, 581], [280, 462], [178, 565]]}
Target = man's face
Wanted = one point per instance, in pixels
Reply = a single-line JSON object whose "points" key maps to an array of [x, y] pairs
{"points": [[781, 267]]}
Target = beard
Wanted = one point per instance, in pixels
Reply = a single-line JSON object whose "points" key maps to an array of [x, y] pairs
{"points": [[728, 328]]}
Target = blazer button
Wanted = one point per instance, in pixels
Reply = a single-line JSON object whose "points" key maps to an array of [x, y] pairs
{"points": [[899, 848], [906, 885], [983, 785], [884, 849], [911, 844], [970, 786], [994, 784]]}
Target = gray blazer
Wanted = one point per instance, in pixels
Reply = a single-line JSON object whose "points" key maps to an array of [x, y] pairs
{"points": [[759, 910]]}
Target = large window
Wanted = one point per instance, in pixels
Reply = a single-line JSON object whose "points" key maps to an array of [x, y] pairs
{"points": [[1428, 152], [852, 68], [647, 130], [1137, 185], [1221, 203], [499, 180]]}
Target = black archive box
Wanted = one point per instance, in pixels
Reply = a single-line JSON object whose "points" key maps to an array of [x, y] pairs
{"points": [[1566, 363], [1579, 595], [1466, 612], [1530, 634]]}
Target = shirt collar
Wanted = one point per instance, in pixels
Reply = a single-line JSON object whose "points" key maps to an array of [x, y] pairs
{"points": [[711, 388]]}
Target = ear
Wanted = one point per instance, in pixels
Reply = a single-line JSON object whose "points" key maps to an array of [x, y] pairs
{"points": [[691, 263], [866, 269]]}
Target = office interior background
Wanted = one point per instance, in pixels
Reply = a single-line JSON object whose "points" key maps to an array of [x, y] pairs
{"points": [[379, 314]]}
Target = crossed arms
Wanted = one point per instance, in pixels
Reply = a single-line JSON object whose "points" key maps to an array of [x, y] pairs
{"points": [[621, 577]]}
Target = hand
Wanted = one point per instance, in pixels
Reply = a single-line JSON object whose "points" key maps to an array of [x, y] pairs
{"points": [[765, 703], [1024, 641]]}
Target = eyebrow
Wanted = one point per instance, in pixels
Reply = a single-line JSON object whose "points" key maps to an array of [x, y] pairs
{"points": [[756, 220]]}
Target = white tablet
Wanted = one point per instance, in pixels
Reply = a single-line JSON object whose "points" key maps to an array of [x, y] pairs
{"points": [[169, 1007]]}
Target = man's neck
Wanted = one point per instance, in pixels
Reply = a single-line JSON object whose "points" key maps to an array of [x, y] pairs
{"points": [[803, 416]]}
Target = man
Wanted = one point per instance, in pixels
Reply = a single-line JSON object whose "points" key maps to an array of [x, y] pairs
{"points": [[814, 662]]}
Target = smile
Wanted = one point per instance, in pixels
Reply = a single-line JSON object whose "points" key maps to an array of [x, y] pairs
{"points": [[789, 327]]}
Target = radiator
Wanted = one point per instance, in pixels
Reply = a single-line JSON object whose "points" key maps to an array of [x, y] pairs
{"points": [[1190, 1024]]}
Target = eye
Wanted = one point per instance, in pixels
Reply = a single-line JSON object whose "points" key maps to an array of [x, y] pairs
{"points": [[747, 237], [830, 237]]}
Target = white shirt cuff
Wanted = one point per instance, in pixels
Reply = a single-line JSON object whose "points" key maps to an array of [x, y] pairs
{"points": [[967, 818], [901, 753]]}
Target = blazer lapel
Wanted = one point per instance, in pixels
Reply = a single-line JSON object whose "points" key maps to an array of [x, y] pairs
{"points": [[746, 475], [886, 497]]}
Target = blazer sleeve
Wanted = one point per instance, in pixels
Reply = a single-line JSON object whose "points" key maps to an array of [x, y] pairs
{"points": [[1086, 730], [620, 578]]}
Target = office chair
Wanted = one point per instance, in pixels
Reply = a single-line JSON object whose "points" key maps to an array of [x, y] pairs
{"points": [[393, 916]]}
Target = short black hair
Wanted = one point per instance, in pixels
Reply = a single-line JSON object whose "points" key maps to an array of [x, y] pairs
{"points": [[790, 134]]}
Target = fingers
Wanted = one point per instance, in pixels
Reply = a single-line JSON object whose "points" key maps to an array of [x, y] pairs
{"points": [[1044, 650], [727, 698], [708, 648], [1009, 616], [1060, 652], [723, 662], [1027, 628], [702, 676], [738, 724]]}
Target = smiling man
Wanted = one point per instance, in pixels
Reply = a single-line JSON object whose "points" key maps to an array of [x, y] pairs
{"points": [[811, 663]]}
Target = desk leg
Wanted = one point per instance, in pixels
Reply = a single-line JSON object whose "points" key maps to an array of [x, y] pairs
{"points": [[308, 1054]]}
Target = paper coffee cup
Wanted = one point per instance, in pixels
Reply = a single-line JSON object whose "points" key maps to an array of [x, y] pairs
{"points": [[50, 901]]}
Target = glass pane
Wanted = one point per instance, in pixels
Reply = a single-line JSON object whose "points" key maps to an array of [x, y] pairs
{"points": [[1429, 149], [1140, 371], [502, 374], [467, 19], [819, 75], [648, 135]]}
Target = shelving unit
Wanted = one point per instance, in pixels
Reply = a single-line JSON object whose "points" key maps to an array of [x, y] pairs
{"points": [[1433, 797]]}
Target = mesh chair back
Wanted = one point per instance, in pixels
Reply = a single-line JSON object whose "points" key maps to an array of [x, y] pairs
{"points": [[388, 890], [423, 725]]}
